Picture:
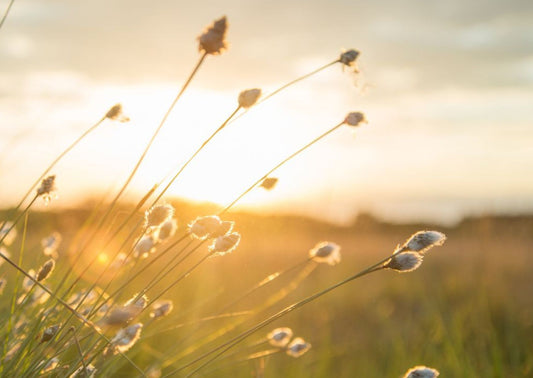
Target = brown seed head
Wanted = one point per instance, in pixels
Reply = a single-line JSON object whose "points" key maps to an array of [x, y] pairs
{"points": [[46, 270], [213, 39]]}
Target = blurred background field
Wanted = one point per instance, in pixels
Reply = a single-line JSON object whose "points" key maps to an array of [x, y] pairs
{"points": [[468, 310]]}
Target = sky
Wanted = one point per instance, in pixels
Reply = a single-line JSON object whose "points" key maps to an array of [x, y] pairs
{"points": [[447, 88]]}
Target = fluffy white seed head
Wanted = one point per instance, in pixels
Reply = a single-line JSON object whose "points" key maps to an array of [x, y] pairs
{"points": [[46, 270], [7, 234], [119, 316], [326, 252], [50, 244], [204, 227], [125, 338], [249, 97], [297, 347], [422, 241], [116, 113], [354, 119], [137, 302], [404, 262], [158, 214], [280, 337], [167, 229], [421, 372], [144, 247], [224, 228], [225, 244], [161, 308], [213, 39]]}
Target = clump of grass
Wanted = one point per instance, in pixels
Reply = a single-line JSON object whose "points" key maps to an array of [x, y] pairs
{"points": [[89, 329]]}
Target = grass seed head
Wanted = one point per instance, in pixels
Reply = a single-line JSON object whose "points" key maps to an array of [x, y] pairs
{"points": [[46, 270], [404, 262], [119, 316], [144, 247], [124, 339], [116, 113], [348, 57], [161, 308], [269, 183], [137, 302], [158, 214], [297, 347], [49, 333], [326, 252], [280, 337], [422, 241], [204, 227], [47, 188], [167, 229], [225, 244], [249, 97], [421, 372], [224, 228], [354, 119], [213, 39]]}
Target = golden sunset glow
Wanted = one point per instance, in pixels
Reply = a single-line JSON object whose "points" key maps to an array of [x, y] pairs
{"points": [[266, 189]]}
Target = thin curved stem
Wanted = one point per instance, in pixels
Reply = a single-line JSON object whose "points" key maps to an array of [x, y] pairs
{"points": [[53, 164], [196, 153], [285, 86], [6, 13], [279, 165], [17, 219]]}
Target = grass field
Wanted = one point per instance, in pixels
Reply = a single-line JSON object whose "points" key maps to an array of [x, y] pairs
{"points": [[466, 311]]}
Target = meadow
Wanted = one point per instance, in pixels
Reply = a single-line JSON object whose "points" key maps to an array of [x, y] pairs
{"points": [[164, 287], [466, 311]]}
